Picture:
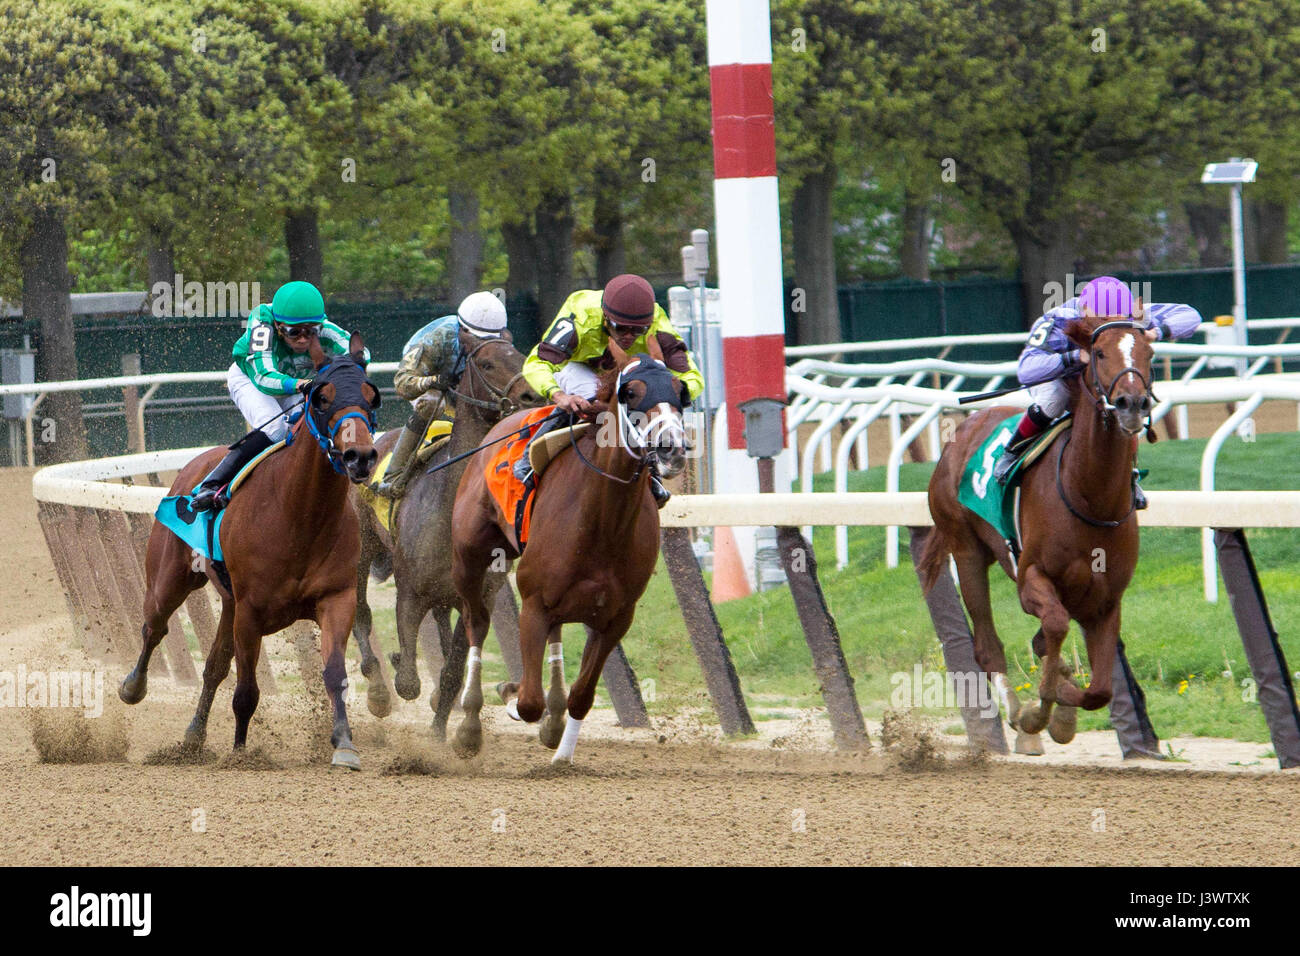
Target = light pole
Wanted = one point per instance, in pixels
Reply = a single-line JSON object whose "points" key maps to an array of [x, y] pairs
{"points": [[1235, 172], [695, 269]]}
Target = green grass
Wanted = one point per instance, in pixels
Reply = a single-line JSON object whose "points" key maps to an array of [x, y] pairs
{"points": [[1171, 633]]}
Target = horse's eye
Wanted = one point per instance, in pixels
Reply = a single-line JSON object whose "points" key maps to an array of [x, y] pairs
{"points": [[1101, 355]]}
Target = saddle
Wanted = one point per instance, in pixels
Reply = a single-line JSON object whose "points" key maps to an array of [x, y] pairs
{"points": [[201, 530], [514, 497], [997, 504]]}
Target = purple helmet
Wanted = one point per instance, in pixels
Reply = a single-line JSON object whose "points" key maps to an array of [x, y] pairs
{"points": [[1106, 296]]}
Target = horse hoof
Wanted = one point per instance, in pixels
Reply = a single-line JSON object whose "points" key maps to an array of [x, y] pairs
{"points": [[347, 758], [132, 692], [378, 700], [439, 729], [550, 732], [468, 740], [1064, 724], [408, 688], [512, 708], [561, 761], [1029, 745], [1032, 719], [506, 690]]}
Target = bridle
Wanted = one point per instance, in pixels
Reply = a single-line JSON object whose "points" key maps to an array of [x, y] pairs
{"points": [[641, 443], [318, 421], [1101, 398], [504, 404]]}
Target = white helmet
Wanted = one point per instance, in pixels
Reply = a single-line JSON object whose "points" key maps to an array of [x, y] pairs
{"points": [[482, 314]]}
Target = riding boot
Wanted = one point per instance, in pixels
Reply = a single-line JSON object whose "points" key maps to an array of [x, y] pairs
{"points": [[1139, 499], [211, 494], [1031, 425], [524, 467], [661, 493], [402, 466]]}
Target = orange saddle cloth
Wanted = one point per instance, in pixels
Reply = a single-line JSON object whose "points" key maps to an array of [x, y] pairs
{"points": [[512, 496]]}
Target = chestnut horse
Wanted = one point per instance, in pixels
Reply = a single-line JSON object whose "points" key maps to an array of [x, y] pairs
{"points": [[290, 542], [590, 552], [491, 386], [1079, 529]]}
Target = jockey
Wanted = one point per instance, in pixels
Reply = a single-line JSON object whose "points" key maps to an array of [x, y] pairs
{"points": [[563, 367], [1049, 357], [433, 360], [271, 368]]}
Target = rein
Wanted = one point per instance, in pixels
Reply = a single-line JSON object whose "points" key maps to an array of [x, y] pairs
{"points": [[1060, 490], [519, 433], [504, 405]]}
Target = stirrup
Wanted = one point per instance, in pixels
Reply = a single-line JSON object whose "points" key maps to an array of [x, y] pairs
{"points": [[1139, 497], [209, 500]]}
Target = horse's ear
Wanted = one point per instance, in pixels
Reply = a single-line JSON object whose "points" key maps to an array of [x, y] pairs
{"points": [[1079, 331], [357, 348], [652, 346], [685, 393], [318, 357], [371, 394], [323, 397], [620, 357], [507, 335]]}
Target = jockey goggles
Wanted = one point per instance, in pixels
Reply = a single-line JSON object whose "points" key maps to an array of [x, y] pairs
{"points": [[615, 328], [304, 330]]}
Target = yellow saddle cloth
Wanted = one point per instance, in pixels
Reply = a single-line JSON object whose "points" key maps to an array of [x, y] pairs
{"points": [[438, 432]]}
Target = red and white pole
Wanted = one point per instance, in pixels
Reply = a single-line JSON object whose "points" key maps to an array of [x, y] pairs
{"points": [[748, 230]]}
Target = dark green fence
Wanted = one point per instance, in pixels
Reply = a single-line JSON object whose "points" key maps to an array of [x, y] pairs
{"points": [[184, 415]]}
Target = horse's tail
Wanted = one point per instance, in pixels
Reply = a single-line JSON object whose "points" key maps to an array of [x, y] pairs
{"points": [[934, 556]]}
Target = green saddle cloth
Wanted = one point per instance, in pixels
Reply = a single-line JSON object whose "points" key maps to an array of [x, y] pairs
{"points": [[982, 494]]}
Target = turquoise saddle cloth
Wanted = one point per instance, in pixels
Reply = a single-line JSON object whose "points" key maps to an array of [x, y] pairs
{"points": [[201, 530]]}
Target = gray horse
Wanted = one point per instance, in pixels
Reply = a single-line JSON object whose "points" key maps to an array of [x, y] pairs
{"points": [[418, 548]]}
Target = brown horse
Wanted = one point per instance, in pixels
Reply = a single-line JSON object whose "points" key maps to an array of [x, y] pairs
{"points": [[590, 553], [1079, 529], [290, 542], [492, 385]]}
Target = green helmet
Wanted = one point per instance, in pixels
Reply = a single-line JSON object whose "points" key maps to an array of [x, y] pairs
{"points": [[296, 303]]}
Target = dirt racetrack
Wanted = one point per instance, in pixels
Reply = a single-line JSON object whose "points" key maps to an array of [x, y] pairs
{"points": [[668, 796]]}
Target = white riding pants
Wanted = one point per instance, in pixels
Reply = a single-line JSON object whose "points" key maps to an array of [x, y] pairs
{"points": [[257, 407], [1052, 397]]}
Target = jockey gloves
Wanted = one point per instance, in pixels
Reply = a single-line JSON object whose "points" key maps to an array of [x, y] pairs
{"points": [[482, 314], [297, 302], [1106, 296], [628, 300]]}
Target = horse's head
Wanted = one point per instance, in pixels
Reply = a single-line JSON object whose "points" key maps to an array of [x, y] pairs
{"points": [[650, 400], [493, 380], [1119, 367], [340, 410]]}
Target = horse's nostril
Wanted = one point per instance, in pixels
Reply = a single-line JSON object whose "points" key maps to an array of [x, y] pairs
{"points": [[350, 456]]}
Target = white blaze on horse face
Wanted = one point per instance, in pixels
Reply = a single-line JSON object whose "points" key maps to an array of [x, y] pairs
{"points": [[1126, 349]]}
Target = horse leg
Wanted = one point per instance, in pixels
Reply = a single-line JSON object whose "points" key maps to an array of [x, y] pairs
{"points": [[167, 590], [214, 672], [535, 629], [1101, 638], [583, 692], [411, 609], [335, 616], [378, 698], [973, 576], [475, 618], [450, 681], [248, 643], [553, 721], [1038, 597]]}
